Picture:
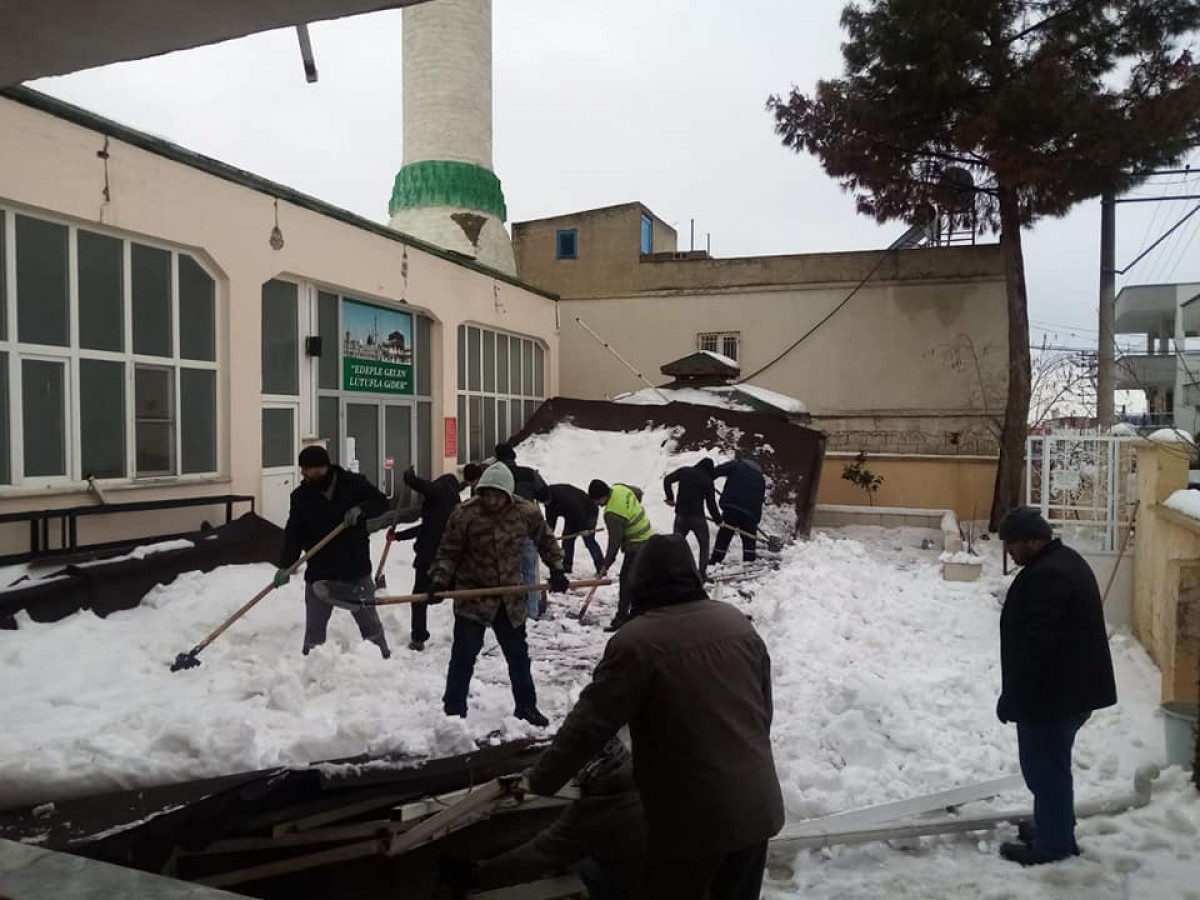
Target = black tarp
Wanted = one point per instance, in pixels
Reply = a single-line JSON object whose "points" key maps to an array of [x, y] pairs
{"points": [[113, 586], [793, 463]]}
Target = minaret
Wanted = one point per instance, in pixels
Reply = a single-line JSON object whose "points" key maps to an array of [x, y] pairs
{"points": [[447, 193]]}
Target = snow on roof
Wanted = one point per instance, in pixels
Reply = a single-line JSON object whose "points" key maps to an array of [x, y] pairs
{"points": [[1186, 502], [722, 359], [771, 398], [698, 396], [1123, 429], [1171, 436]]}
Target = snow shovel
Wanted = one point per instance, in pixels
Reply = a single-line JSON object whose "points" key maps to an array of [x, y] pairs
{"points": [[774, 544], [499, 591], [578, 534], [380, 578], [189, 661]]}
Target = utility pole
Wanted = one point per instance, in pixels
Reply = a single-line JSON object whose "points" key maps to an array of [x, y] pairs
{"points": [[1105, 361]]}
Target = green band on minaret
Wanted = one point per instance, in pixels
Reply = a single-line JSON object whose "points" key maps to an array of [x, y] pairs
{"points": [[441, 182]]}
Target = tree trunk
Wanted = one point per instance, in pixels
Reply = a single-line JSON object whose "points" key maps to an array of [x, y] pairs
{"points": [[1010, 472]]}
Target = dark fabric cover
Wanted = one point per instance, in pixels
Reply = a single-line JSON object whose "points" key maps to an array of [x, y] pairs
{"points": [[696, 493], [692, 680], [438, 499], [1054, 654], [745, 486], [316, 510]]}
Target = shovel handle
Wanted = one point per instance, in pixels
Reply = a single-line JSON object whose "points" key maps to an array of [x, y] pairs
{"points": [[471, 593], [578, 534]]}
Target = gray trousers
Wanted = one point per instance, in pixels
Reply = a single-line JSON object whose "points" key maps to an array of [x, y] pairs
{"points": [[697, 525], [318, 609]]}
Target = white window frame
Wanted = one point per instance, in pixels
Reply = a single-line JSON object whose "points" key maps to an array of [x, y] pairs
{"points": [[74, 353], [719, 338]]}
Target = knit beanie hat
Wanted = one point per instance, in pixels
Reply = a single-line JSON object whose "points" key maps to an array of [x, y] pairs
{"points": [[598, 490], [313, 456], [497, 476], [472, 472], [1025, 523]]}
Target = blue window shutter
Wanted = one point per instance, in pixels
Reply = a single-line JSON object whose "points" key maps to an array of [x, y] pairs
{"points": [[567, 244], [647, 234]]}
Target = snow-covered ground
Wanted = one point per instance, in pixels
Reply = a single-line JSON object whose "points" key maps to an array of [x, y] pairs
{"points": [[885, 686]]}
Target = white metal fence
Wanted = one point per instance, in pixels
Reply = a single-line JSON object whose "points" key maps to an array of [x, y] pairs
{"points": [[1085, 485]]}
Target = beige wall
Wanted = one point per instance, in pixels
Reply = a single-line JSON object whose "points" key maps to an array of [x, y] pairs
{"points": [[50, 167], [963, 484], [1166, 573]]}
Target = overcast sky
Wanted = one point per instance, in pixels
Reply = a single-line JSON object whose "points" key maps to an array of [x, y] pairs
{"points": [[598, 102]]}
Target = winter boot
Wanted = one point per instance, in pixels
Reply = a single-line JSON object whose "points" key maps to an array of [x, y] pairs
{"points": [[1027, 855], [1027, 834], [616, 623], [418, 646], [532, 715]]}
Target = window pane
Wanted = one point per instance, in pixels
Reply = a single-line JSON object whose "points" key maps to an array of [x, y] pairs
{"points": [[327, 328], [154, 411], [527, 367], [539, 371], [473, 359], [42, 282], [514, 374], [150, 276], [489, 361], [5, 455], [278, 437], [502, 428], [502, 364], [425, 439], [462, 429], [101, 291], [424, 352], [730, 347], [462, 357], [327, 426], [43, 396], [198, 420], [490, 438], [3, 286], [280, 346], [101, 417], [475, 428], [197, 311]]}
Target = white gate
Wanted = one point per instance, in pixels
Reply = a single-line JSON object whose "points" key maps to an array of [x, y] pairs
{"points": [[1085, 485]]}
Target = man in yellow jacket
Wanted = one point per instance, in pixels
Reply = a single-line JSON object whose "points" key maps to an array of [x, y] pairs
{"points": [[628, 529]]}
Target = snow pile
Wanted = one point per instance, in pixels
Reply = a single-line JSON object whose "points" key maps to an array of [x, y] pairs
{"points": [[965, 557], [722, 359], [696, 396], [1171, 436], [1185, 501], [771, 398], [1123, 429]]}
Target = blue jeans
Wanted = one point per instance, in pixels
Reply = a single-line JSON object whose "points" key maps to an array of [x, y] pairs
{"points": [[529, 574], [1045, 751], [468, 641], [593, 546]]}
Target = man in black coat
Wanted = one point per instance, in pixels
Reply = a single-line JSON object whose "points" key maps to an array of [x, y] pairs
{"points": [[692, 679], [579, 514], [329, 495], [1055, 670], [696, 491], [438, 499], [741, 506]]}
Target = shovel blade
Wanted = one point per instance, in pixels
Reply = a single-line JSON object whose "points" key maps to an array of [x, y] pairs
{"points": [[185, 661], [380, 581]]}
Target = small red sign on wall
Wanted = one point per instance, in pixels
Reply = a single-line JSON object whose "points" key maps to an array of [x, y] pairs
{"points": [[389, 462], [451, 436]]}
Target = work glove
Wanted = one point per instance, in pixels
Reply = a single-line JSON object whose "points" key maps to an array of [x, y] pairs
{"points": [[558, 582], [431, 597], [670, 502], [353, 516], [282, 577]]}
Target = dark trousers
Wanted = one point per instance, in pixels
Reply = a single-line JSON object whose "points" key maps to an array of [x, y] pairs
{"points": [[738, 519], [468, 641], [317, 612], [625, 587], [589, 541], [731, 876], [420, 611], [1045, 751], [697, 525]]}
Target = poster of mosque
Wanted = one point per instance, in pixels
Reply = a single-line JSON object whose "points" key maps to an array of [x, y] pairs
{"points": [[377, 349]]}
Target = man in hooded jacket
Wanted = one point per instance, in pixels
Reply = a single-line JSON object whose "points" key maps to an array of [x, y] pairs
{"points": [[741, 506], [329, 495], [481, 548], [438, 499], [692, 679], [696, 492]]}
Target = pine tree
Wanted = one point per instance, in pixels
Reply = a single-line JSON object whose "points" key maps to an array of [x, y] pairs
{"points": [[1046, 103]]}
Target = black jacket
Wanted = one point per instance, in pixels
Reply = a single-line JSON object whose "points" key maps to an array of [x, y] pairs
{"points": [[316, 511], [745, 486], [573, 506], [438, 499], [1054, 656], [528, 483], [695, 492]]}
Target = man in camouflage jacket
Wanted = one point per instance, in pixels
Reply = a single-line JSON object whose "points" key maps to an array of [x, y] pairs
{"points": [[481, 547]]}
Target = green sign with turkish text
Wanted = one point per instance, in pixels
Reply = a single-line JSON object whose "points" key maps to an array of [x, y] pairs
{"points": [[377, 349]]}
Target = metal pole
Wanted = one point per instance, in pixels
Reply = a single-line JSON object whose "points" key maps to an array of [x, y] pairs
{"points": [[1106, 362], [626, 363], [692, 244]]}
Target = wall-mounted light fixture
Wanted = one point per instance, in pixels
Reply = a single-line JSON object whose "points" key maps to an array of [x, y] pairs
{"points": [[276, 239]]}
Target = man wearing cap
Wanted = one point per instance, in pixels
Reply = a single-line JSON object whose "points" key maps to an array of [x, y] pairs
{"points": [[481, 548], [628, 529], [692, 680], [329, 495], [1055, 669]]}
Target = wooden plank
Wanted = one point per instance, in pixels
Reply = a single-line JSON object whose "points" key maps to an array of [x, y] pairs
{"points": [[293, 864], [419, 809], [546, 889], [436, 826], [890, 812]]}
